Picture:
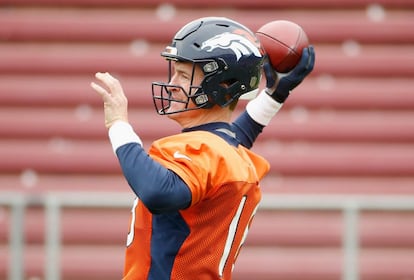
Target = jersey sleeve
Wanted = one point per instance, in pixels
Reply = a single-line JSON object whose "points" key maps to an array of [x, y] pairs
{"points": [[246, 129], [204, 161], [258, 114], [189, 160], [158, 188]]}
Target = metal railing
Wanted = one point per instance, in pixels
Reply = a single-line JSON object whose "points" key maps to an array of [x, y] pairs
{"points": [[17, 205], [54, 203]]}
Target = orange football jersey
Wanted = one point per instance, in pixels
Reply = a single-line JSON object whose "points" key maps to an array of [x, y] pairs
{"points": [[202, 241]]}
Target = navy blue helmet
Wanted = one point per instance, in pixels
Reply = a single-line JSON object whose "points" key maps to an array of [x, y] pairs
{"points": [[229, 55]]}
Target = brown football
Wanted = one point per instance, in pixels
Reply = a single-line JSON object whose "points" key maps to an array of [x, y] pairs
{"points": [[283, 42]]}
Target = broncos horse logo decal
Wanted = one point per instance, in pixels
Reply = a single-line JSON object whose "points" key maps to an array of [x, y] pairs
{"points": [[239, 44]]}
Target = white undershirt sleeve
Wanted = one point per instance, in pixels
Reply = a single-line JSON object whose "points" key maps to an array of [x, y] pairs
{"points": [[121, 133], [263, 108]]}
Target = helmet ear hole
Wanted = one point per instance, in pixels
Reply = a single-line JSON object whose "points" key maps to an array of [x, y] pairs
{"points": [[229, 83], [231, 89]]}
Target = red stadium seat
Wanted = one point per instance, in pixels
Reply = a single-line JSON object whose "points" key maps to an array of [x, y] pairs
{"points": [[18, 59], [127, 25], [259, 4]]}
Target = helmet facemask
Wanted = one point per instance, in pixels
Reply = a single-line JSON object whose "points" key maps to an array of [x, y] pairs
{"points": [[162, 95]]}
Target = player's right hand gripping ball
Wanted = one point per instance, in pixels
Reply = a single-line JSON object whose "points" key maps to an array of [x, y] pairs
{"points": [[287, 51], [283, 42]]}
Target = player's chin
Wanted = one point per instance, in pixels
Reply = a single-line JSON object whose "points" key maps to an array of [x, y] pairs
{"points": [[180, 114], [174, 109]]}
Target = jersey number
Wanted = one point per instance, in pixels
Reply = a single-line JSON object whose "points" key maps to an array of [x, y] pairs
{"points": [[131, 232], [232, 234]]}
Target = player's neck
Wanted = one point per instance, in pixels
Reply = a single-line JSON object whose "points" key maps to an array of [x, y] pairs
{"points": [[202, 116]]}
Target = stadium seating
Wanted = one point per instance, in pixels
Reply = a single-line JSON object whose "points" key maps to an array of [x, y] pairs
{"points": [[347, 130]]}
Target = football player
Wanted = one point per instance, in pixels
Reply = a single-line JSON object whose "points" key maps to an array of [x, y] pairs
{"points": [[197, 191]]}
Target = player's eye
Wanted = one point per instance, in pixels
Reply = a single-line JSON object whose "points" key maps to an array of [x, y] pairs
{"points": [[185, 76]]}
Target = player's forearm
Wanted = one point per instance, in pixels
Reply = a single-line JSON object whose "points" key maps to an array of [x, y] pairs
{"points": [[246, 129], [258, 114]]}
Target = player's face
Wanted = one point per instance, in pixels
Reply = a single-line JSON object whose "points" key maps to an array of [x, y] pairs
{"points": [[184, 78]]}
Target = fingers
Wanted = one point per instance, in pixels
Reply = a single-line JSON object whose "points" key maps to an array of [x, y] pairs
{"points": [[104, 94], [306, 63], [108, 80], [111, 86], [270, 74], [311, 61]]}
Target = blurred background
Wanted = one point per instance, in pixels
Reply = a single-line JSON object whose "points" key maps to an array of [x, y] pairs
{"points": [[338, 199]]}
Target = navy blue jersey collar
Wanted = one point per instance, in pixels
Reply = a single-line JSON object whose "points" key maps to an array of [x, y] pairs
{"points": [[222, 129]]}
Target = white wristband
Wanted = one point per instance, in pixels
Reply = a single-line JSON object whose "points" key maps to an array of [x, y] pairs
{"points": [[263, 108], [121, 133]]}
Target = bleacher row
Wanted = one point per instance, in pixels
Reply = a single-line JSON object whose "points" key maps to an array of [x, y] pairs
{"points": [[347, 130]]}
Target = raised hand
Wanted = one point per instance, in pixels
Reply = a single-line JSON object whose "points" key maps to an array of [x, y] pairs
{"points": [[278, 85], [115, 101]]}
